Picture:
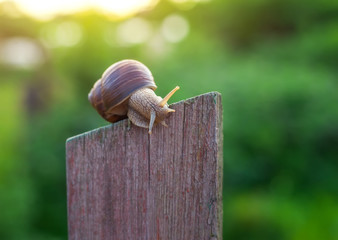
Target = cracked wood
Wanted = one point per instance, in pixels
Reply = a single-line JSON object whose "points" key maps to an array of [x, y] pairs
{"points": [[125, 184]]}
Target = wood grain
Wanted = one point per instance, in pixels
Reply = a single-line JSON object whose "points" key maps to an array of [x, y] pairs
{"points": [[125, 184]]}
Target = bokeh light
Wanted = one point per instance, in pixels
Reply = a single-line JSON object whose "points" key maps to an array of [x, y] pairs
{"points": [[64, 34], [21, 52], [133, 31], [175, 28]]}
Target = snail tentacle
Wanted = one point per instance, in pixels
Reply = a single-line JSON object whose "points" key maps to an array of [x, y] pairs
{"points": [[152, 120], [126, 89], [166, 98]]}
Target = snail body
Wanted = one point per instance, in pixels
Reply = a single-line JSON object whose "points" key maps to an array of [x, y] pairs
{"points": [[126, 89]]}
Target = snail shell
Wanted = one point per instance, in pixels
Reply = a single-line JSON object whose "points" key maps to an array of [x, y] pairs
{"points": [[126, 89]]}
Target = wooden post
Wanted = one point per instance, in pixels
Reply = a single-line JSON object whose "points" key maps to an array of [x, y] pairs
{"points": [[126, 184]]}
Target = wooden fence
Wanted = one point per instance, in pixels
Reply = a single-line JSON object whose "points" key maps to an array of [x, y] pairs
{"points": [[126, 184]]}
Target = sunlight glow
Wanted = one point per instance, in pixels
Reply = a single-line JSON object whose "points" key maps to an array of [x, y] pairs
{"points": [[48, 9], [188, 4], [123, 7]]}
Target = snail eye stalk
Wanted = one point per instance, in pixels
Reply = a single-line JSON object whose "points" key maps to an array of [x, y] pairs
{"points": [[166, 98]]}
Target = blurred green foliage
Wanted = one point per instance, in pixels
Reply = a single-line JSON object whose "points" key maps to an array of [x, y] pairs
{"points": [[275, 63]]}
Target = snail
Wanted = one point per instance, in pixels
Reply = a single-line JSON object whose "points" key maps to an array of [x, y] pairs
{"points": [[126, 89]]}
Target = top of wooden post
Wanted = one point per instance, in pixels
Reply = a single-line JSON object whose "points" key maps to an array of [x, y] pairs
{"points": [[123, 183], [216, 96]]}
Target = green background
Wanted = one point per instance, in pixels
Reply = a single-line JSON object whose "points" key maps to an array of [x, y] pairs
{"points": [[275, 62]]}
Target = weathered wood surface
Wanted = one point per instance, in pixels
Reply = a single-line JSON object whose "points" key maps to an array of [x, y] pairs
{"points": [[125, 184]]}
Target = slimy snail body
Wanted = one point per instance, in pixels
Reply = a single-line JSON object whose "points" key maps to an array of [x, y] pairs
{"points": [[126, 89]]}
